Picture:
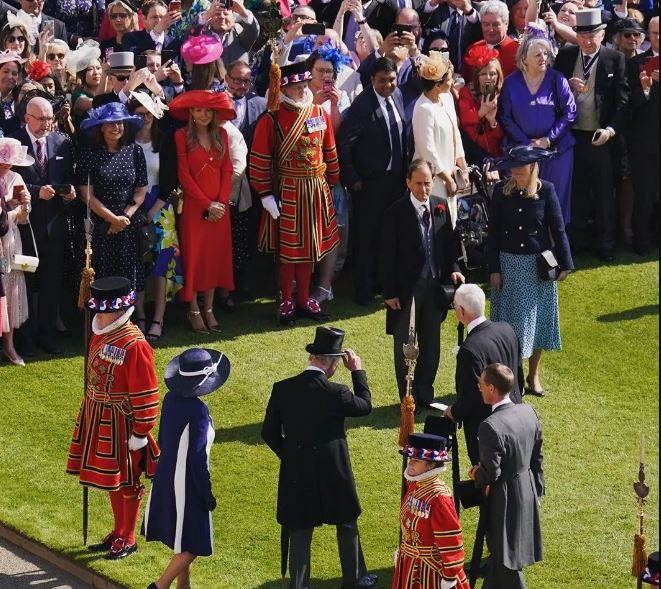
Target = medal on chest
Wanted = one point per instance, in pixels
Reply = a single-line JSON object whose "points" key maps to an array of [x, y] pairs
{"points": [[112, 354], [418, 507], [314, 124]]}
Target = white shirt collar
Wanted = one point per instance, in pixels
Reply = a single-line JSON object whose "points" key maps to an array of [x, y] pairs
{"points": [[310, 367], [475, 322], [418, 205], [157, 38], [590, 54], [505, 401], [382, 100], [34, 139]]}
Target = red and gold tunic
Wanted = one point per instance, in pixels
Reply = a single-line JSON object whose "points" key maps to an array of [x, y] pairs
{"points": [[121, 399], [307, 164], [432, 547]]}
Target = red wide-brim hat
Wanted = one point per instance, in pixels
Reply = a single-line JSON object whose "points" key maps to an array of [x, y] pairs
{"points": [[218, 101]]}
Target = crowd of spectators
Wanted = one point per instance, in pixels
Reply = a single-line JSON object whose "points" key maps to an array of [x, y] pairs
{"points": [[86, 130]]}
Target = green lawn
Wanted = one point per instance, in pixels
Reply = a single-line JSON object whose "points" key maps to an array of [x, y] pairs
{"points": [[602, 392]]}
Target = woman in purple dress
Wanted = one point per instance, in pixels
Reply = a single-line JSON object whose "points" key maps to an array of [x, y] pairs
{"points": [[537, 107]]}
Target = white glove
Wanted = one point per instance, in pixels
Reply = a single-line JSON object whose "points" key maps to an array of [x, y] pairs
{"points": [[136, 443], [271, 206], [448, 584]]}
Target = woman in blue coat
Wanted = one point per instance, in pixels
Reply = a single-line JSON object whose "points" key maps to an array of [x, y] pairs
{"points": [[178, 512]]}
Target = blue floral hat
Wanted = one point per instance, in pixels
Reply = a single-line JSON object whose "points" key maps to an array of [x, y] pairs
{"points": [[110, 113]]}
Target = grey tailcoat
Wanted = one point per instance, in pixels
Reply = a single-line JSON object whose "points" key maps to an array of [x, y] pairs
{"points": [[511, 463]]}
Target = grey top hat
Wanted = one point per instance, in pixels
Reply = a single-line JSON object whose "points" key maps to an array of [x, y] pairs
{"points": [[588, 20], [121, 61]]}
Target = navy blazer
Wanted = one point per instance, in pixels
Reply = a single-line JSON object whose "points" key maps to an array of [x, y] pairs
{"points": [[256, 105], [363, 140], [643, 128], [519, 225], [139, 41], [48, 217]]}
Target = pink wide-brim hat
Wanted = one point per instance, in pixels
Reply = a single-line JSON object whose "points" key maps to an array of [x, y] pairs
{"points": [[201, 49], [13, 153]]}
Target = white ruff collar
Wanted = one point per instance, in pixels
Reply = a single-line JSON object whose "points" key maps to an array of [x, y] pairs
{"points": [[307, 99], [434, 472], [116, 324]]}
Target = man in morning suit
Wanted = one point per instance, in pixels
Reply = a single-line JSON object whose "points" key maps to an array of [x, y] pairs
{"points": [[598, 79], [371, 145], [155, 36], [53, 165], [511, 467], [487, 342], [304, 426], [643, 139], [418, 254]]}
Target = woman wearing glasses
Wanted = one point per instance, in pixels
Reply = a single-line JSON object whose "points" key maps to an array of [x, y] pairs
{"points": [[10, 77], [55, 54], [15, 38], [123, 19]]}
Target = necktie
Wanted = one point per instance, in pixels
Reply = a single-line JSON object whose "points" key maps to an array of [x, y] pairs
{"points": [[425, 216], [395, 142], [238, 108], [454, 40], [588, 62], [41, 153]]}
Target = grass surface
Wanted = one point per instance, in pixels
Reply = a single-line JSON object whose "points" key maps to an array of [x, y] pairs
{"points": [[602, 393]]}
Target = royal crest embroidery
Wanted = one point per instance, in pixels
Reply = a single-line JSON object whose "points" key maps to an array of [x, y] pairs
{"points": [[113, 354]]}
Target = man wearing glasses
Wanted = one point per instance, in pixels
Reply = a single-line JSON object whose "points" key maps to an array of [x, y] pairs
{"points": [[50, 184], [124, 78]]}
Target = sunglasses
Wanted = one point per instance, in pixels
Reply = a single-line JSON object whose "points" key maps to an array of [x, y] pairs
{"points": [[119, 15], [629, 35], [53, 56], [19, 39], [120, 77]]}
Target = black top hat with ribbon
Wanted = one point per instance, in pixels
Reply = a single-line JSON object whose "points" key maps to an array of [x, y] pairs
{"points": [[327, 342], [197, 372], [428, 447], [111, 295]]}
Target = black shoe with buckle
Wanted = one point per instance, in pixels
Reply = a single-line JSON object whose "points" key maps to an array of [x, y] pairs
{"points": [[121, 549], [103, 546], [312, 310]]}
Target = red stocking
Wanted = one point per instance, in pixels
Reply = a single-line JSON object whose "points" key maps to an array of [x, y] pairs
{"points": [[287, 273], [131, 511], [303, 279], [117, 504]]}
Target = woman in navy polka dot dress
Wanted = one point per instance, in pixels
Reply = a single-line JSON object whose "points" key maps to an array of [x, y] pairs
{"points": [[115, 168]]}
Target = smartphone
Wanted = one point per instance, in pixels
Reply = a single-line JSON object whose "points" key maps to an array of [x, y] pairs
{"points": [[50, 25], [596, 135], [490, 91], [401, 29], [167, 55], [140, 62], [313, 28], [174, 6], [651, 64], [61, 189], [226, 4], [18, 191], [544, 7], [109, 51], [328, 84]]}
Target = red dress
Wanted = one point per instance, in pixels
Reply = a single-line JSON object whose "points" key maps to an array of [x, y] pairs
{"points": [[206, 246], [432, 547], [481, 133]]}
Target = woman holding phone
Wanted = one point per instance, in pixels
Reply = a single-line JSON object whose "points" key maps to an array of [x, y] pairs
{"points": [[123, 19]]}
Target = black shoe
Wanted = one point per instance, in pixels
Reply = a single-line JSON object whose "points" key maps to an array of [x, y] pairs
{"points": [[103, 546], [367, 581], [152, 586], [287, 317], [120, 549], [312, 310], [227, 304], [606, 256], [48, 347]]}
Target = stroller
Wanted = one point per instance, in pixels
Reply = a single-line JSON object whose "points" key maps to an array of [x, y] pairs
{"points": [[473, 224]]}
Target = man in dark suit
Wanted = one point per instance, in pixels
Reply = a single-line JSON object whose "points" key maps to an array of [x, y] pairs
{"points": [[598, 78], [418, 254], [154, 37], [247, 104], [511, 467], [371, 145], [643, 140], [304, 426], [487, 343], [53, 166]]}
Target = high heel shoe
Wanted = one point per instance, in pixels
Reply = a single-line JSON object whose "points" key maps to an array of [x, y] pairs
{"points": [[196, 322], [212, 326], [17, 361], [154, 337], [323, 294], [530, 389]]}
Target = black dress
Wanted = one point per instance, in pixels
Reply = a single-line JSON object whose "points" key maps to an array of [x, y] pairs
{"points": [[114, 178]]}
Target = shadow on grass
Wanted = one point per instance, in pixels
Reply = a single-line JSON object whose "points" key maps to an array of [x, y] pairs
{"points": [[385, 417], [629, 314], [384, 580], [30, 580]]}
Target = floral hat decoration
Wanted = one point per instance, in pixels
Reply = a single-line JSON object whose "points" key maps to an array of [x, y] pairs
{"points": [[334, 55], [479, 56], [110, 113], [23, 20], [434, 67], [82, 57], [13, 153], [38, 70]]}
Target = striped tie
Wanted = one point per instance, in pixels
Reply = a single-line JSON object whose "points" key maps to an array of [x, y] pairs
{"points": [[41, 153]]}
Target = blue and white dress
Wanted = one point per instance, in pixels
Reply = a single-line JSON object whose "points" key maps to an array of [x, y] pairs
{"points": [[176, 512]]}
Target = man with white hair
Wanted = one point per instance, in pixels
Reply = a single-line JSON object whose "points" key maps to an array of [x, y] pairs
{"points": [[487, 343], [495, 18]]}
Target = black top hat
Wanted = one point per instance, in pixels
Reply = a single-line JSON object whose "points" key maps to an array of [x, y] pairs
{"points": [[428, 447], [197, 372], [293, 73], [111, 294], [521, 155], [327, 342], [588, 20], [651, 574], [628, 25]]}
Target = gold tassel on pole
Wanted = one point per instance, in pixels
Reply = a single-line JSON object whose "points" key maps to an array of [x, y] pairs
{"points": [[407, 423], [639, 541]]}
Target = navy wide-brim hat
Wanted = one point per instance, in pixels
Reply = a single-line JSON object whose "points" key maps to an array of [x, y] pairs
{"points": [[429, 447], [518, 156], [110, 113], [327, 342], [197, 372], [111, 294]]}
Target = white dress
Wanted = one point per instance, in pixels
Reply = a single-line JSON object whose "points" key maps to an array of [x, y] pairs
{"points": [[15, 302], [437, 140]]}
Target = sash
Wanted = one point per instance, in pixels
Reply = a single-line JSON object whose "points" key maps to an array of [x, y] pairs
{"points": [[294, 135]]}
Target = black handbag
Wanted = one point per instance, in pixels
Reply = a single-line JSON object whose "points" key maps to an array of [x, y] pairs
{"points": [[147, 235], [547, 266]]}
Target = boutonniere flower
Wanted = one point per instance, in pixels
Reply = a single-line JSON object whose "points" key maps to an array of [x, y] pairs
{"points": [[439, 209]]}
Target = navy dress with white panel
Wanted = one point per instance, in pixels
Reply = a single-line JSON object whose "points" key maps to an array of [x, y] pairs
{"points": [[176, 513]]}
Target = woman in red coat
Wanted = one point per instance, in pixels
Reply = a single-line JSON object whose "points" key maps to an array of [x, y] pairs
{"points": [[205, 174], [478, 105]]}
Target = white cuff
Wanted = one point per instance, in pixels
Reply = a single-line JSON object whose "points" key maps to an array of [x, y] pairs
{"points": [[473, 17], [136, 443], [429, 8], [612, 131], [448, 584], [123, 98], [246, 19]]}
